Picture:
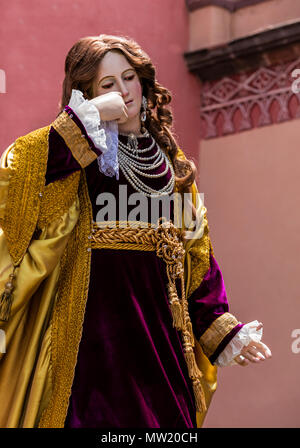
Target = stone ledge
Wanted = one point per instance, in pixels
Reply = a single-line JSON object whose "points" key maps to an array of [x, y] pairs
{"points": [[263, 49]]}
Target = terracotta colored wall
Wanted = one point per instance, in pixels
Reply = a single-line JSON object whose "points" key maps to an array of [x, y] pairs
{"points": [[251, 187], [35, 37], [213, 25]]}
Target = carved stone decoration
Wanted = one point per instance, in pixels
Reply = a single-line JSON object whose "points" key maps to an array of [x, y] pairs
{"points": [[244, 101]]}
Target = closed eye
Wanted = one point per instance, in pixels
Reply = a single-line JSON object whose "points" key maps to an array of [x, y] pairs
{"points": [[129, 78], [107, 86]]}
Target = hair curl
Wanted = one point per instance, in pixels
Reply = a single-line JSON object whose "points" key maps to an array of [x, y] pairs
{"points": [[81, 66]]}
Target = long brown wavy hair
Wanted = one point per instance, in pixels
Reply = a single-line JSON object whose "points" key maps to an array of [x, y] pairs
{"points": [[81, 66]]}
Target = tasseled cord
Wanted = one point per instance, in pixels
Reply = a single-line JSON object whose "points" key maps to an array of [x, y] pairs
{"points": [[182, 322], [195, 375], [199, 396], [6, 297], [176, 308]]}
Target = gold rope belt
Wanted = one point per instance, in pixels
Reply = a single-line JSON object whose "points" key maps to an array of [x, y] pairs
{"points": [[167, 241]]}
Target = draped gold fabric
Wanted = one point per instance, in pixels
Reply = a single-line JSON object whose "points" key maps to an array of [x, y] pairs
{"points": [[26, 370], [197, 254], [25, 190], [45, 230]]}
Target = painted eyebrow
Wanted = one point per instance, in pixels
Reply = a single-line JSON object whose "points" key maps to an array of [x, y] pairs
{"points": [[112, 76]]}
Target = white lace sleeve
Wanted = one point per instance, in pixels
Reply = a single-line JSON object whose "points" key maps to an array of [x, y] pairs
{"points": [[104, 134], [247, 333]]}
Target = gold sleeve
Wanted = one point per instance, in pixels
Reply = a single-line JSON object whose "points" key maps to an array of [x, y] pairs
{"points": [[43, 232], [25, 367]]}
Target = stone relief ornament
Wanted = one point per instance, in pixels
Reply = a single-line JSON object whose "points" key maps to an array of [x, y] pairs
{"points": [[247, 100]]}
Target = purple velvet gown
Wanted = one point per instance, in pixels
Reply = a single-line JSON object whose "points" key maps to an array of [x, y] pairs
{"points": [[131, 371]]}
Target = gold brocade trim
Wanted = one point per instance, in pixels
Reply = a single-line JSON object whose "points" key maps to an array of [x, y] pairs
{"points": [[26, 185], [74, 139], [58, 198], [211, 248], [214, 335], [199, 253], [68, 316], [130, 237], [167, 241], [200, 259], [5, 174], [122, 246]]}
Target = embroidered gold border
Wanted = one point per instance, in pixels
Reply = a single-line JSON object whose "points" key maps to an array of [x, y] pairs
{"points": [[200, 260], [5, 174], [74, 139], [197, 260], [68, 315], [128, 235], [58, 198], [122, 246], [26, 185], [214, 335]]}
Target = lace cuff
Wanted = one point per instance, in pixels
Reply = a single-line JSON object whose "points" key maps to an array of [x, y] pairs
{"points": [[246, 334], [104, 134]]}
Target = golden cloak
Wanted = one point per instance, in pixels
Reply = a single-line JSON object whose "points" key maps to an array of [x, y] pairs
{"points": [[45, 236]]}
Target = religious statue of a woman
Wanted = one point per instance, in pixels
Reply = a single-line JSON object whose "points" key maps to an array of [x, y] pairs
{"points": [[114, 315]]}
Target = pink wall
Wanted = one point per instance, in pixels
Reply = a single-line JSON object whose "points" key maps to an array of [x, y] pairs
{"points": [[35, 37], [251, 187]]}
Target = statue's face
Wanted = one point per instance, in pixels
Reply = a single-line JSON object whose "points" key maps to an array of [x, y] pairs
{"points": [[115, 74]]}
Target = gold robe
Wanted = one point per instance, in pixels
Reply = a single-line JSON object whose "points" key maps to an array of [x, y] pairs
{"points": [[45, 236]]}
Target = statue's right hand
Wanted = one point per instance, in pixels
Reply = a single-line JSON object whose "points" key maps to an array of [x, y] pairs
{"points": [[111, 106]]}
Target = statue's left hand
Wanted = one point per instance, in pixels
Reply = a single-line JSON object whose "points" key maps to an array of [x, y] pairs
{"points": [[254, 352]]}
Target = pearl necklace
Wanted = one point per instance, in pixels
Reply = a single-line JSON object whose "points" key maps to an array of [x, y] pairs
{"points": [[130, 165], [132, 142]]}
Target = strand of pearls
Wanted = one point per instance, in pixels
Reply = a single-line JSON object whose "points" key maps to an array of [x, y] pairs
{"points": [[141, 187], [134, 154], [130, 166], [132, 146], [136, 166]]}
